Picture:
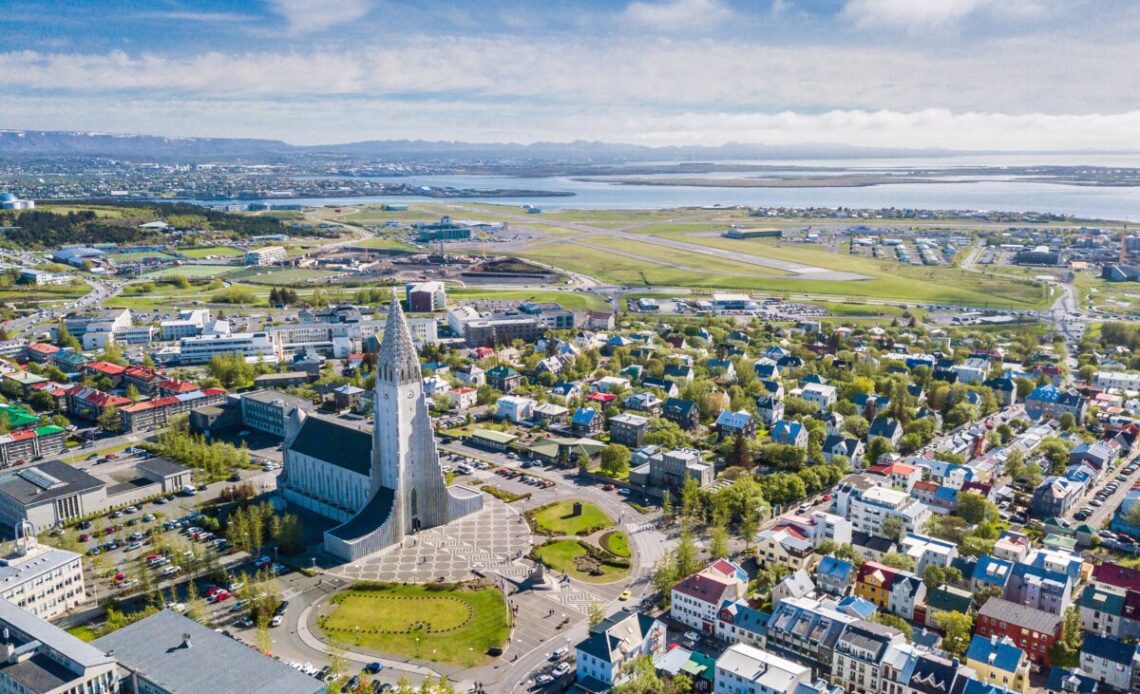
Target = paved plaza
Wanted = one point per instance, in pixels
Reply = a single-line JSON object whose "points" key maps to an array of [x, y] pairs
{"points": [[487, 542]]}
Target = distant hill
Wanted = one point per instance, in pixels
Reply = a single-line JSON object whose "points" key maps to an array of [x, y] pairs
{"points": [[46, 144]]}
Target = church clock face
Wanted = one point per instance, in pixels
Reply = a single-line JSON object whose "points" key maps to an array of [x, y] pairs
{"points": [[411, 395]]}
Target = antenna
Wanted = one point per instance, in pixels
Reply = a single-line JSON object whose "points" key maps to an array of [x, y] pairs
{"points": [[1124, 244]]}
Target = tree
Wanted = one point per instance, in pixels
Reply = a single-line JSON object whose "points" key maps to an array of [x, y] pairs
{"points": [[892, 528], [975, 508], [1067, 421], [957, 628], [893, 620], [741, 451], [1132, 515], [109, 420], [595, 615], [718, 541], [856, 426], [667, 506], [615, 460], [982, 596], [686, 553], [878, 447], [64, 338], [1065, 652], [691, 502], [898, 561], [583, 462], [935, 575]]}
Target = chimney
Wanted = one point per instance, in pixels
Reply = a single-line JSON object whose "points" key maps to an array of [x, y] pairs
{"points": [[186, 643]]}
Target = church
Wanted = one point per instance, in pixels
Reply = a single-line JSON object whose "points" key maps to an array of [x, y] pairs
{"points": [[382, 484]]}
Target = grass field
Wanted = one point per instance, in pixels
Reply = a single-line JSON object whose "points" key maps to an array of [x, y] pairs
{"points": [[563, 555], [662, 254], [387, 244], [209, 251], [194, 271], [453, 624], [279, 276], [617, 543], [83, 633], [557, 518], [137, 255], [889, 280], [574, 301]]}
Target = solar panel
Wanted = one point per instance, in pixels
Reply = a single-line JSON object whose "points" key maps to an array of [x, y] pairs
{"points": [[39, 478]]}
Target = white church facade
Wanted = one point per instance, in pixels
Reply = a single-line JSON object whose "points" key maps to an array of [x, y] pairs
{"points": [[382, 484]]}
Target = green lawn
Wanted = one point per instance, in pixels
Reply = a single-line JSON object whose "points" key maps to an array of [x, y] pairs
{"points": [[137, 255], [386, 244], [558, 518], [195, 271], [208, 251], [665, 255], [83, 633], [890, 280], [617, 543], [564, 555], [452, 624], [278, 276], [574, 301]]}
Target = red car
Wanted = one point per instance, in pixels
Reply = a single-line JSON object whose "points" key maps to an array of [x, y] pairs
{"points": [[607, 487], [84, 537]]}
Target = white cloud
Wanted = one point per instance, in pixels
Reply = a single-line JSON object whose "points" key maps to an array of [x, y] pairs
{"points": [[311, 16], [934, 13], [677, 15]]}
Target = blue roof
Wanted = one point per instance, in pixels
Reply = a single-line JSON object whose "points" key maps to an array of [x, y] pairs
{"points": [[1108, 648], [947, 494], [865, 609], [1062, 680], [584, 415], [835, 568], [747, 617], [992, 570], [785, 430], [1006, 655]]}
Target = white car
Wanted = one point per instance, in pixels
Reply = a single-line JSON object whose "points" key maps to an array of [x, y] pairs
{"points": [[562, 669]]}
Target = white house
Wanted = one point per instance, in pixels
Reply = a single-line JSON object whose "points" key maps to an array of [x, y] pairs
{"points": [[697, 598], [743, 669], [818, 394], [515, 408], [623, 637]]}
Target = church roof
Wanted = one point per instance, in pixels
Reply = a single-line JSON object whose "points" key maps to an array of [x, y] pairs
{"points": [[397, 351], [340, 444]]}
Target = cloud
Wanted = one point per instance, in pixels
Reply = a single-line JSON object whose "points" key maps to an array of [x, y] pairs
{"points": [[192, 16], [677, 15], [934, 13], [312, 16]]}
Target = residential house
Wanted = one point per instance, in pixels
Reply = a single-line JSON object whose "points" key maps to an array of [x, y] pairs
{"points": [[834, 576], [1110, 661], [1050, 402], [797, 584], [503, 378], [696, 599], [990, 572], [999, 661], [1055, 496], [769, 409], [743, 669], [1004, 389], [945, 598], [734, 423], [885, 427], [516, 409], [1033, 630], [859, 654], [741, 621], [789, 433], [785, 545], [849, 447], [927, 551], [899, 475], [470, 375], [683, 413], [894, 590], [628, 429], [806, 630], [821, 395], [625, 636], [644, 401], [1050, 591]]}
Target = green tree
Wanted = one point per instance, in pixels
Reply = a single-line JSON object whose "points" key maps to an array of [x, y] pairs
{"points": [[1065, 652], [893, 620], [975, 508], [718, 541], [667, 506], [876, 448], [897, 560], [957, 628], [595, 615], [1132, 515], [935, 575], [892, 528], [110, 419], [615, 460], [64, 338], [686, 553]]}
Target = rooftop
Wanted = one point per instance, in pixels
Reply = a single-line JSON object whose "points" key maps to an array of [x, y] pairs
{"points": [[180, 655]]}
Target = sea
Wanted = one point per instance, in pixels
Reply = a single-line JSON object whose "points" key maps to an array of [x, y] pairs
{"points": [[997, 192]]}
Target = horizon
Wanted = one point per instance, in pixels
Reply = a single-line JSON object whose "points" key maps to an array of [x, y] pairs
{"points": [[1021, 76]]}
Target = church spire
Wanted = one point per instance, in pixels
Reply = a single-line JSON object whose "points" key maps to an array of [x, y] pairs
{"points": [[397, 362]]}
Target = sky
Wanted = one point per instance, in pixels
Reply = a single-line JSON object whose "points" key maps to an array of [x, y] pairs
{"points": [[958, 74]]}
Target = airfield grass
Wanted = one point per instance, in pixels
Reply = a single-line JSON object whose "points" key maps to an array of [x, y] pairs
{"points": [[889, 280], [441, 623], [137, 255], [279, 276], [666, 255], [208, 251], [574, 301], [194, 271], [387, 244]]}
